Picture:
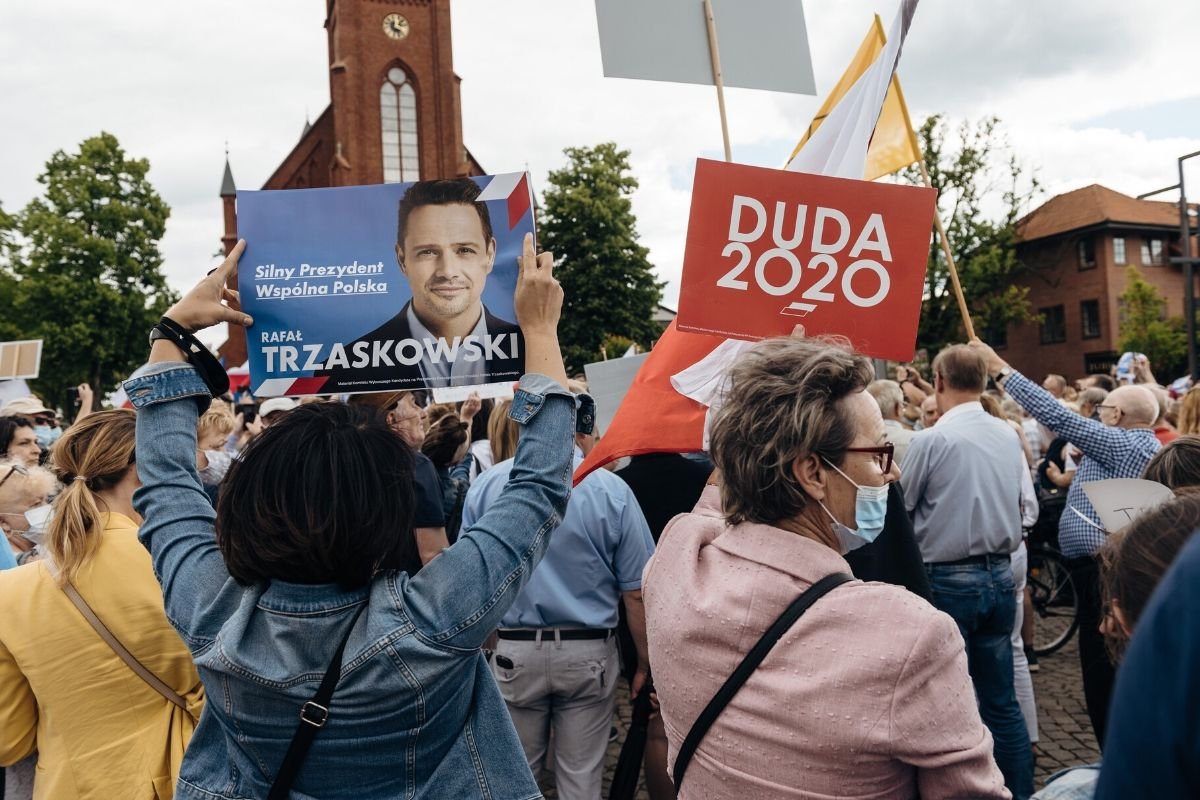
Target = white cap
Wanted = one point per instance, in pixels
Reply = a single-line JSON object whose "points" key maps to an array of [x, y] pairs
{"points": [[276, 404]]}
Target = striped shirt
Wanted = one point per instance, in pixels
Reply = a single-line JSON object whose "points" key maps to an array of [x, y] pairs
{"points": [[1108, 452]]}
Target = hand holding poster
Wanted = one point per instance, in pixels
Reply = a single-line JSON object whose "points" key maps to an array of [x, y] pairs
{"points": [[388, 287], [767, 249]]}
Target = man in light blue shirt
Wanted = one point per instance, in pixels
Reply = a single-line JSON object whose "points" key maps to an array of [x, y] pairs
{"points": [[556, 658], [962, 485]]}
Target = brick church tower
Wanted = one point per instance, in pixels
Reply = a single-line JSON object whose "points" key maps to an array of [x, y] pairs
{"points": [[394, 113]]}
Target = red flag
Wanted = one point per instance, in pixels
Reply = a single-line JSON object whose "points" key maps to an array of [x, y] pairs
{"points": [[653, 417]]}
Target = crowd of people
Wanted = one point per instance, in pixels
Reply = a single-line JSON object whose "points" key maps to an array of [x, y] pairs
{"points": [[381, 597]]}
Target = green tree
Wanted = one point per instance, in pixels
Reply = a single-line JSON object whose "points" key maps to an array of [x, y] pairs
{"points": [[587, 221], [983, 190], [87, 268], [1143, 329]]}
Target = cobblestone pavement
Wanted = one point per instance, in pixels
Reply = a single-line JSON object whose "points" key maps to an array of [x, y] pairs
{"points": [[1064, 730], [1065, 733]]}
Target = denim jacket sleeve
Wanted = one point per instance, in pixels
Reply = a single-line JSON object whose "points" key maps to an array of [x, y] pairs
{"points": [[458, 598], [177, 526]]}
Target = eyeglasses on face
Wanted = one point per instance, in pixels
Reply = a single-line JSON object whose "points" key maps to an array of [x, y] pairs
{"points": [[14, 468], [884, 455]]}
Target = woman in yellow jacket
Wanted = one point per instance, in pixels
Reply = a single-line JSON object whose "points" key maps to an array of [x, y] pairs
{"points": [[99, 730]]}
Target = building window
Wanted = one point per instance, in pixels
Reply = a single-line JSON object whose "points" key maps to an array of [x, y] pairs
{"points": [[1089, 315], [1087, 253], [398, 115], [996, 336], [1119, 250], [1152, 251], [1054, 324]]}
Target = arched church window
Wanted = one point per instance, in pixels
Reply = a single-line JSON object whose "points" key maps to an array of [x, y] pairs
{"points": [[398, 112]]}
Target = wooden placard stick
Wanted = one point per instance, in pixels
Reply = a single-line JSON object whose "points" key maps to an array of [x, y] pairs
{"points": [[714, 53], [945, 240]]}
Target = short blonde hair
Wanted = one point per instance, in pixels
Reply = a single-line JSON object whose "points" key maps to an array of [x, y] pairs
{"points": [[782, 402], [218, 419]]}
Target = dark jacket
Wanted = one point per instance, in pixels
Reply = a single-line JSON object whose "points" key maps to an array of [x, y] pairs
{"points": [[403, 376]]}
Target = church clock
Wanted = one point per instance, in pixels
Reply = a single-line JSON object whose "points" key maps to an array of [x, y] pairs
{"points": [[395, 26]]}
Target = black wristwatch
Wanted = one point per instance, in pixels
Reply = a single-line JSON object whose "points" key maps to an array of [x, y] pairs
{"points": [[1002, 374], [206, 364]]}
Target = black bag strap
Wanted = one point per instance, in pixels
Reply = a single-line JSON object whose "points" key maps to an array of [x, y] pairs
{"points": [[745, 669], [313, 716]]}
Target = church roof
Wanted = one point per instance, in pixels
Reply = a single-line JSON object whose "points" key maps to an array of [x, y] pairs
{"points": [[1094, 205], [228, 187]]}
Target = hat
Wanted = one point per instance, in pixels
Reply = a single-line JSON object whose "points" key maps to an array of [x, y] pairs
{"points": [[24, 406], [276, 404]]}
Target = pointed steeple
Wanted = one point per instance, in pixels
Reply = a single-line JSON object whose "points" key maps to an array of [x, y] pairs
{"points": [[307, 127], [228, 187]]}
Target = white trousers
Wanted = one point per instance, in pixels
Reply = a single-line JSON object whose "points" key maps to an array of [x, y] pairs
{"points": [[565, 689], [1022, 680]]}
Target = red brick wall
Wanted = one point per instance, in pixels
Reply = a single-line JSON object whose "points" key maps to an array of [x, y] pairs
{"points": [[1056, 278]]}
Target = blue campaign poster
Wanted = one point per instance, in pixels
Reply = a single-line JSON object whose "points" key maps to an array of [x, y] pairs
{"points": [[382, 288]]}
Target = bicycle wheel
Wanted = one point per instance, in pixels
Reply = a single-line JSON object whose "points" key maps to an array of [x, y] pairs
{"points": [[1055, 601]]}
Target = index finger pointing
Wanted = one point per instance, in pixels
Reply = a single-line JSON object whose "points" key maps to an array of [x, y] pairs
{"points": [[229, 265]]}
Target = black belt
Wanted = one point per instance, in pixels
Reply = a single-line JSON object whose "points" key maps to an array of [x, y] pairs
{"points": [[975, 561], [529, 635]]}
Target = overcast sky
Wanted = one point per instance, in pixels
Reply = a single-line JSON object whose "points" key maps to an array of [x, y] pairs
{"points": [[1091, 91]]}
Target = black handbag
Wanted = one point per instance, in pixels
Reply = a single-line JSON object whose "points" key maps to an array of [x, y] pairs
{"points": [[313, 716], [745, 669]]}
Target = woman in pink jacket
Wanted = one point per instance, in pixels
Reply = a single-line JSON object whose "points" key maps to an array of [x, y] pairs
{"points": [[867, 694]]}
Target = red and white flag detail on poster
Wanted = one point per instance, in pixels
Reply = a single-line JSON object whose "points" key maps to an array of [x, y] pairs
{"points": [[667, 405]]}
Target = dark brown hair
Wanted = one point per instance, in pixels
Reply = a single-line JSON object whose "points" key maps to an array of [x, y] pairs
{"points": [[443, 440], [442, 192], [325, 495], [1177, 464], [1134, 559]]}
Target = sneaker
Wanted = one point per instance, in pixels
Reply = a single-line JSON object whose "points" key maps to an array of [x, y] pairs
{"points": [[613, 733], [1031, 657]]}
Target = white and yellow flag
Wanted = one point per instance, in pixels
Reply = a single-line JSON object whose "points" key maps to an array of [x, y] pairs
{"points": [[893, 145]]}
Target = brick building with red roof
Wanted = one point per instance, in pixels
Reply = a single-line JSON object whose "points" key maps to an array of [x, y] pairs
{"points": [[1078, 248]]}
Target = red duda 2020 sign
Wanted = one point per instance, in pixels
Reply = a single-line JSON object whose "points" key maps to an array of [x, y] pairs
{"points": [[769, 249]]}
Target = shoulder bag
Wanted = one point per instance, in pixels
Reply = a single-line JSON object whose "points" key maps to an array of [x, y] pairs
{"points": [[745, 669], [138, 668], [313, 716]]}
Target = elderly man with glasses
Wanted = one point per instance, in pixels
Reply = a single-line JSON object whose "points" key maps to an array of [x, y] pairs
{"points": [[1118, 445]]}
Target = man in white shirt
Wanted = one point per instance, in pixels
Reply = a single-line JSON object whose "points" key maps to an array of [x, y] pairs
{"points": [[890, 398]]}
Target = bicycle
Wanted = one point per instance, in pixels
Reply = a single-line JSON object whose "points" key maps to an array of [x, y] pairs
{"points": [[1055, 601]]}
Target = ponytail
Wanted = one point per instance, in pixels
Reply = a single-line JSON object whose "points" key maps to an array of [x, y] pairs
{"points": [[92, 456], [73, 533]]}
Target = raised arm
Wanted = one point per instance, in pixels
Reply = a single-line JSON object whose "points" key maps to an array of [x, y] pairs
{"points": [[458, 599], [178, 519], [1095, 438]]}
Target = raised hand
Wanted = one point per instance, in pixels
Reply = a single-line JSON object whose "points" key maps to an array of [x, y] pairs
{"points": [[203, 306]]}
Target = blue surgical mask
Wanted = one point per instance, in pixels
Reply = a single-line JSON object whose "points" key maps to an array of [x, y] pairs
{"points": [[870, 512], [46, 435]]}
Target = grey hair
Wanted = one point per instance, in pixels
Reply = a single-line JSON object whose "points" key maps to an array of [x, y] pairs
{"points": [[782, 403], [888, 395]]}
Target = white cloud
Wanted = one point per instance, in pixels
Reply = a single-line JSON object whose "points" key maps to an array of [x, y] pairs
{"points": [[175, 82]]}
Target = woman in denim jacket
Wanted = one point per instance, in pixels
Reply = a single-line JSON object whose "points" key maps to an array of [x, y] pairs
{"points": [[314, 526]]}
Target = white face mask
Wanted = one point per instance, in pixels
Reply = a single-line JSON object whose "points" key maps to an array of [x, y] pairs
{"points": [[38, 519]]}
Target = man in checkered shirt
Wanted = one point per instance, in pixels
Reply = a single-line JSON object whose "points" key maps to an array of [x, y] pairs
{"points": [[1119, 445]]}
